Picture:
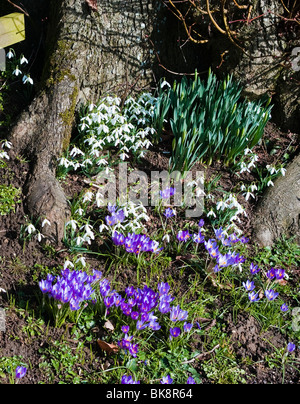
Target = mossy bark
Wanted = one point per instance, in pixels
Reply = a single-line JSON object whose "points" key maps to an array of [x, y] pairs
{"points": [[88, 53]]}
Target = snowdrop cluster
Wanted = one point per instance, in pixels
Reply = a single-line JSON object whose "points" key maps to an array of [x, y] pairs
{"points": [[17, 71], [106, 126]]}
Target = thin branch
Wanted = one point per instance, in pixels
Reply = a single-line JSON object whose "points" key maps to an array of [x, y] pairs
{"points": [[18, 7]]}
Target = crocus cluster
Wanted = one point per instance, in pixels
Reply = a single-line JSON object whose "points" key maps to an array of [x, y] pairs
{"points": [[73, 287], [224, 260], [271, 294], [136, 243], [144, 306], [165, 380], [115, 217]]}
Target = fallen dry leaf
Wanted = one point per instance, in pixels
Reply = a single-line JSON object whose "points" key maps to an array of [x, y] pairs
{"points": [[92, 4], [109, 348]]}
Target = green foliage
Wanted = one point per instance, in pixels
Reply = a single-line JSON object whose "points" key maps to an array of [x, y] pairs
{"points": [[209, 121], [9, 197]]}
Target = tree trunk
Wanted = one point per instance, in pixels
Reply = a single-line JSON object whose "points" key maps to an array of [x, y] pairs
{"points": [[90, 52], [278, 213]]}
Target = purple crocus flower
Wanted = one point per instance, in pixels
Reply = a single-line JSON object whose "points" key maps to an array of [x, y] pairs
{"points": [[128, 380], [253, 297], [187, 326], [249, 286], [279, 273], [166, 380], [271, 274], [284, 307], [175, 332], [183, 235], [163, 288], [190, 380], [169, 213], [20, 372], [254, 269], [291, 347], [167, 192], [271, 294]]}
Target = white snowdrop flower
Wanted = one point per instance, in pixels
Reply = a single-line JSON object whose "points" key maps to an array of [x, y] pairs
{"points": [[76, 151], [23, 60], [82, 261], [17, 71], [102, 162], [253, 187], [46, 221], [27, 79], [7, 144], [166, 238], [221, 205], [4, 155], [99, 199], [79, 240], [30, 228], [10, 54], [192, 183], [73, 224], [211, 213], [80, 211], [88, 197], [270, 183], [165, 84], [86, 238], [76, 166], [248, 194], [102, 227], [271, 169], [88, 231], [64, 162], [39, 236], [283, 170], [123, 156], [247, 151], [68, 264]]}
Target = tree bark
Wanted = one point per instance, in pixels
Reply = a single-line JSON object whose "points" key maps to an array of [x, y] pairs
{"points": [[89, 53], [278, 213]]}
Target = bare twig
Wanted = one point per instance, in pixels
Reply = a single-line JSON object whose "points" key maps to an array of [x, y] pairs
{"points": [[18, 7]]}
